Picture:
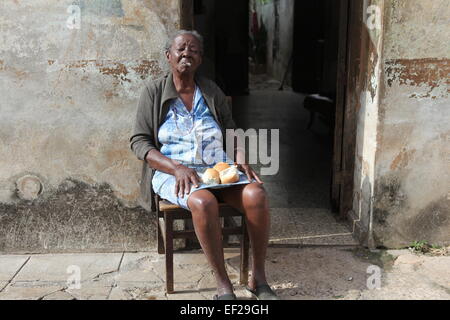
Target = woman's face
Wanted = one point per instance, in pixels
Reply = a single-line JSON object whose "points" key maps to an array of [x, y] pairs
{"points": [[184, 55]]}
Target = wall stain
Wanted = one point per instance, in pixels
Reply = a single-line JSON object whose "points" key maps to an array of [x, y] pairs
{"points": [[109, 94], [432, 223], [389, 198], [119, 70], [431, 72], [20, 74], [117, 157], [147, 67], [402, 159]]}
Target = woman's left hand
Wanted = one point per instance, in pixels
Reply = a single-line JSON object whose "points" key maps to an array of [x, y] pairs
{"points": [[249, 172]]}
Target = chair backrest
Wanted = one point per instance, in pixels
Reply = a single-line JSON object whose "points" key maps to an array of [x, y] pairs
{"points": [[154, 197]]}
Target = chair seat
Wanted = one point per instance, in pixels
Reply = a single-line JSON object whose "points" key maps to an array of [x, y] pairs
{"points": [[165, 205]]}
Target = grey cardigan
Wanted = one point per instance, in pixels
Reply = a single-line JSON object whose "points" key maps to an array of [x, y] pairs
{"points": [[152, 109]]}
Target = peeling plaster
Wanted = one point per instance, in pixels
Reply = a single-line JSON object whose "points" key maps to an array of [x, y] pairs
{"points": [[431, 75], [119, 70]]}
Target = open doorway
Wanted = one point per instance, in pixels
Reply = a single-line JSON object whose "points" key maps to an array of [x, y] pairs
{"points": [[280, 60]]}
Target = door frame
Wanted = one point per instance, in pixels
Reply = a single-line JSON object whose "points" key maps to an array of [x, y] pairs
{"points": [[349, 80], [341, 85]]}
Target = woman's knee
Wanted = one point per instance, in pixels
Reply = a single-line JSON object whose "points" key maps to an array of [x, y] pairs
{"points": [[254, 194], [203, 201]]}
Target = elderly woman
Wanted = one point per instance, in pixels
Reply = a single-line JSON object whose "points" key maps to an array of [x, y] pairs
{"points": [[179, 130]]}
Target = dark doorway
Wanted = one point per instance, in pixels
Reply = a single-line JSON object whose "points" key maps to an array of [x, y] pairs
{"points": [[280, 60], [315, 49], [224, 25]]}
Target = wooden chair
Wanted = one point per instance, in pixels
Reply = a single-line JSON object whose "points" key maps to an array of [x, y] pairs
{"points": [[167, 213]]}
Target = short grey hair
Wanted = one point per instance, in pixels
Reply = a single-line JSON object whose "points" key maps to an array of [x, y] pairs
{"points": [[181, 32]]}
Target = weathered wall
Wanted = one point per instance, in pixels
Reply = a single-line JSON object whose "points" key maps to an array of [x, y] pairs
{"points": [[366, 49], [278, 19], [68, 101], [411, 195]]}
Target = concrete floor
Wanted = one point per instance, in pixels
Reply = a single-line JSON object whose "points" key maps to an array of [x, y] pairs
{"points": [[300, 191]]}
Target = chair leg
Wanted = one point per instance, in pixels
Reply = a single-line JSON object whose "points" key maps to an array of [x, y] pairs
{"points": [[244, 253], [169, 252], [161, 249]]}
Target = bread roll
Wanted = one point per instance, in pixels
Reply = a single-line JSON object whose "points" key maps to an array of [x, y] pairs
{"points": [[211, 176], [229, 175], [221, 166]]}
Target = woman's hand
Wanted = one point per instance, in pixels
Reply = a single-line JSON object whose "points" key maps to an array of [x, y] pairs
{"points": [[249, 172], [184, 176]]}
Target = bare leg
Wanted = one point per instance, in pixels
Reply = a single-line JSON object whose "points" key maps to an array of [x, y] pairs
{"points": [[253, 201], [205, 217]]}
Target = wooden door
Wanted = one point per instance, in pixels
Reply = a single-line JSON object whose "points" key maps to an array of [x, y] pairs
{"points": [[346, 105], [340, 104]]}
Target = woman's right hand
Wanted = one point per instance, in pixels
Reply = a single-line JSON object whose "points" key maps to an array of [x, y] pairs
{"points": [[184, 177]]}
